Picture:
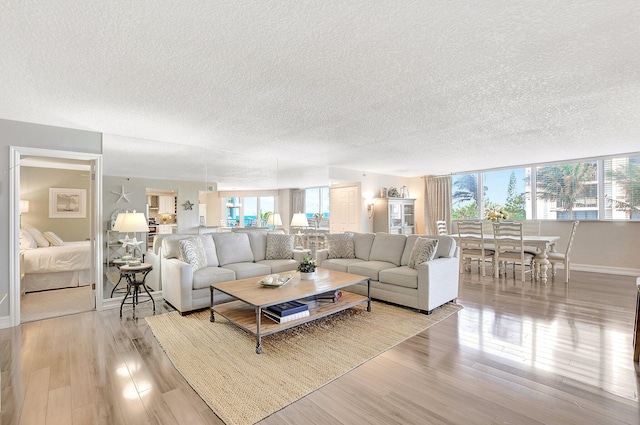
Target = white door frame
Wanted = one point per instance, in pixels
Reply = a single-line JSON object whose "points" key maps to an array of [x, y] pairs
{"points": [[14, 220]]}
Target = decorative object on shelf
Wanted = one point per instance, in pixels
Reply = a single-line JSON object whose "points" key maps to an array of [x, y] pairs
{"points": [[393, 193], [497, 215], [383, 192], [405, 192], [188, 205], [307, 268], [263, 218], [275, 280], [122, 194], [67, 203]]}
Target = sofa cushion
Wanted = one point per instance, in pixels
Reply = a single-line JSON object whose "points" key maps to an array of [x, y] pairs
{"points": [[369, 268], [424, 249], [362, 243], [245, 270], [279, 247], [192, 252], [387, 247], [400, 276], [341, 245], [171, 245], [258, 242], [279, 266], [339, 264], [207, 275], [233, 248], [210, 250]]}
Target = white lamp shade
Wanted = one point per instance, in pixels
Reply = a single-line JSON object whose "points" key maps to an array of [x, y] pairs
{"points": [[131, 222], [274, 220], [24, 206], [299, 220]]}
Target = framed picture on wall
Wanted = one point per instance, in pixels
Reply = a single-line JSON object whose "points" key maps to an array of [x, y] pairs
{"points": [[67, 203]]}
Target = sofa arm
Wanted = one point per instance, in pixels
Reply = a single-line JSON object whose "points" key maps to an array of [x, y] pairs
{"points": [[177, 283], [438, 282], [153, 278], [321, 255], [299, 254]]}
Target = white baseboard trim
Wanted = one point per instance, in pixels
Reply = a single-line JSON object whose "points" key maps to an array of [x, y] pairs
{"points": [[5, 322], [603, 269]]}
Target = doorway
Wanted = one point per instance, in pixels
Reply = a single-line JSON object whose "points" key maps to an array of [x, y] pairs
{"points": [[50, 289]]}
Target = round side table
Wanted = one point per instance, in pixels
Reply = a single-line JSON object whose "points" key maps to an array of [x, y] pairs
{"points": [[135, 277]]}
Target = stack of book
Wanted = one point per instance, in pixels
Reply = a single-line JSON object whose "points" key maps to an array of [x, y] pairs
{"points": [[286, 312], [331, 296]]}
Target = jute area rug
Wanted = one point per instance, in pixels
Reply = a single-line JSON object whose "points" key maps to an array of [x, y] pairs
{"points": [[219, 360]]}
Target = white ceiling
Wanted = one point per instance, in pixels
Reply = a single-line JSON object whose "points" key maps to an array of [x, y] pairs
{"points": [[402, 87]]}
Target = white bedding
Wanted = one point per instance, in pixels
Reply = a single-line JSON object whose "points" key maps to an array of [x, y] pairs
{"points": [[72, 256]]}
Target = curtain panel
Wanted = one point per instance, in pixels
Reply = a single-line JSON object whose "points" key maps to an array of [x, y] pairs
{"points": [[437, 202]]}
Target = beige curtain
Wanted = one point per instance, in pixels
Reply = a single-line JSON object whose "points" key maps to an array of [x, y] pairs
{"points": [[437, 202], [297, 201]]}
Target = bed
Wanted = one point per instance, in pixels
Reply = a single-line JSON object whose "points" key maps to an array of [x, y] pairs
{"points": [[56, 267]]}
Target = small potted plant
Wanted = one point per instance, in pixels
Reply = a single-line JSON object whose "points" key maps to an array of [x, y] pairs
{"points": [[307, 268]]}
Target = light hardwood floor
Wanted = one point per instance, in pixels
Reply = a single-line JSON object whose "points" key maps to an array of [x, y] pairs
{"points": [[517, 353]]}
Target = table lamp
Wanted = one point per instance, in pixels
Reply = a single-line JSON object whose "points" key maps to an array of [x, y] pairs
{"points": [[274, 220], [131, 222], [299, 220]]}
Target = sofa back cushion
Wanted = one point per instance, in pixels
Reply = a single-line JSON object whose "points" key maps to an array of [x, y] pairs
{"points": [[388, 247], [341, 245], [209, 247], [171, 245], [258, 242], [233, 247], [446, 247], [362, 243], [279, 247]]}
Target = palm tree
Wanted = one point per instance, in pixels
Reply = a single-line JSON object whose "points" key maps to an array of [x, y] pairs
{"points": [[628, 178], [466, 189], [565, 183]]}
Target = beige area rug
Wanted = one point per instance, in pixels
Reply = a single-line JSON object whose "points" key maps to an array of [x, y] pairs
{"points": [[242, 387], [55, 303]]}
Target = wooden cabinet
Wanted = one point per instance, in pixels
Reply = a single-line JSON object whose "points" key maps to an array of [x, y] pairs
{"points": [[394, 215], [167, 204]]}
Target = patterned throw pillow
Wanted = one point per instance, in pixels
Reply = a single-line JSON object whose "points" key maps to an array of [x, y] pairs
{"points": [[192, 252], [423, 250], [341, 245], [279, 247]]}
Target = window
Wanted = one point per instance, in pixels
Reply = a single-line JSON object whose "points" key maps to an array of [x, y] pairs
{"points": [[317, 201], [606, 188]]}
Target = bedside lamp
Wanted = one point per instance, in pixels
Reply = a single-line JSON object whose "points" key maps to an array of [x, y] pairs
{"points": [[299, 220]]}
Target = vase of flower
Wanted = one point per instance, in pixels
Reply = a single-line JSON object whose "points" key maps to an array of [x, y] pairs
{"points": [[307, 268]]}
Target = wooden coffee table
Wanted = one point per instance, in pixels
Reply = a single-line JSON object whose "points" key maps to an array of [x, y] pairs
{"points": [[252, 298]]}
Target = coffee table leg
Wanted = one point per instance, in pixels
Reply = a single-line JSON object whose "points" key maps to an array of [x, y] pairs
{"points": [[258, 337], [213, 318], [369, 295]]}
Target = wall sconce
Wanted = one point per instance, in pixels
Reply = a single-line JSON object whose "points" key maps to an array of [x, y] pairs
{"points": [[370, 201]]}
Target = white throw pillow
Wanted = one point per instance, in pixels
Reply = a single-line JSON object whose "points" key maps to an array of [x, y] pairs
{"points": [[192, 252], [279, 247], [54, 240], [423, 250], [26, 240], [40, 240]]}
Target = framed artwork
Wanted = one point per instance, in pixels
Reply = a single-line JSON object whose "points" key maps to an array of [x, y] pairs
{"points": [[67, 203]]}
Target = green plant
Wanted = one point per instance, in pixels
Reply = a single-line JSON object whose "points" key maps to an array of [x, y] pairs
{"points": [[307, 265]]}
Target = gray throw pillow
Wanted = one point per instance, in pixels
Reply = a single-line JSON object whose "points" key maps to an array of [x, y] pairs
{"points": [[423, 250], [192, 252], [341, 245], [279, 247]]}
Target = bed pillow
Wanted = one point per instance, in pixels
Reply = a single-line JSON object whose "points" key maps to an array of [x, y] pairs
{"points": [[40, 240], [279, 247], [26, 240], [423, 250], [54, 240], [192, 252]]}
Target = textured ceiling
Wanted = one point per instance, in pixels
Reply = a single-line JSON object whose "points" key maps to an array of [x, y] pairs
{"points": [[396, 87]]}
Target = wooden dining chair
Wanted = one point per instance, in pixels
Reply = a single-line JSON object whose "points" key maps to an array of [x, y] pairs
{"points": [[443, 229], [509, 249], [563, 257], [472, 245]]}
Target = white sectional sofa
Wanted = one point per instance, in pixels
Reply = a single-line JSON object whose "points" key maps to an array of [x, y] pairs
{"points": [[385, 259], [229, 256]]}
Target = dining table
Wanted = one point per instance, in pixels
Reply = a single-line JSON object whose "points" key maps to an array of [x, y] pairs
{"points": [[539, 245]]}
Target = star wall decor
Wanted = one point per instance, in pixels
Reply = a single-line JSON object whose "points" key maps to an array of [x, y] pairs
{"points": [[122, 194], [188, 205]]}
